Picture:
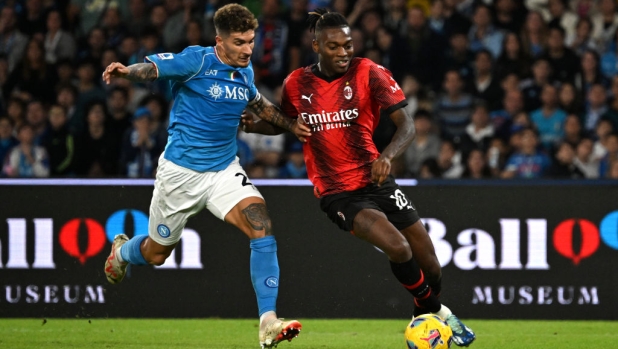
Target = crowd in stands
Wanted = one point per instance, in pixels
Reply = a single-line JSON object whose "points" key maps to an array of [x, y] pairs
{"points": [[497, 88]]}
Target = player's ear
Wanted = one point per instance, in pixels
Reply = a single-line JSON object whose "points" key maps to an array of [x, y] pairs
{"points": [[315, 46]]}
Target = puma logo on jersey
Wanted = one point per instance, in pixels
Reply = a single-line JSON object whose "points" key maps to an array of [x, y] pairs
{"points": [[307, 98]]}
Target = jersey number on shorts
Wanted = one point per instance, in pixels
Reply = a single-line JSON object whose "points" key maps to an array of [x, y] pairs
{"points": [[245, 180]]}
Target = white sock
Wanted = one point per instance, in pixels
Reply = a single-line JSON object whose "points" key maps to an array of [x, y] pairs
{"points": [[267, 315], [444, 312], [119, 256]]}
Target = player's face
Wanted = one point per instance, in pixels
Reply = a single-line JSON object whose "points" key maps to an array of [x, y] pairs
{"points": [[334, 48], [235, 49]]}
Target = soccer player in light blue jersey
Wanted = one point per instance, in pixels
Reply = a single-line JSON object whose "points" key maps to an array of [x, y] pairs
{"points": [[211, 87]]}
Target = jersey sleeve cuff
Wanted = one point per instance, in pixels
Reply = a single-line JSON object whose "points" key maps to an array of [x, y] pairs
{"points": [[257, 98], [394, 107], [147, 60]]}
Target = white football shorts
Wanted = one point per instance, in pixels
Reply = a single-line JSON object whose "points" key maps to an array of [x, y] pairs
{"points": [[181, 193]]}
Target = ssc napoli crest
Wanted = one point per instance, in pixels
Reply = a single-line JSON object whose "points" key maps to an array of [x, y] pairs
{"points": [[163, 230], [272, 282]]}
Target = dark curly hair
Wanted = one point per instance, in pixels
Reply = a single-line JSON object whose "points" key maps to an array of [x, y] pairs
{"points": [[234, 18]]}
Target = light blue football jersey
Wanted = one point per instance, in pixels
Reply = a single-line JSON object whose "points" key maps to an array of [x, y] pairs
{"points": [[209, 97]]}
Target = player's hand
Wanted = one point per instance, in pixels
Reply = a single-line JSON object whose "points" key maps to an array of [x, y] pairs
{"points": [[114, 70], [380, 169], [301, 130], [246, 121]]}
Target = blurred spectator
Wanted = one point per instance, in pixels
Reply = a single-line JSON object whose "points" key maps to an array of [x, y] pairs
{"points": [[59, 143], [609, 60], [534, 35], [140, 150], [59, 44], [294, 167], [531, 88], [454, 107], [564, 62], [476, 166], [66, 72], [395, 16], [93, 48], [590, 73], [509, 15], [484, 85], [456, 22], [563, 165], [38, 119], [483, 34], [149, 44], [527, 162], [66, 97], [513, 60], [411, 89], [584, 159], [503, 119], [369, 24], [497, 155], [114, 28], [581, 41], [296, 19], [177, 25], [449, 161], [612, 114], [426, 144], [88, 92], [573, 131], [158, 18], [87, 14], [33, 77], [27, 159], [549, 119], [270, 52], [479, 132], [7, 140], [429, 169], [359, 8], [419, 50], [128, 48], [267, 150], [569, 100], [561, 15], [32, 21], [16, 111], [120, 117], [194, 35], [12, 41], [384, 45], [138, 13], [611, 145], [605, 23], [96, 153], [459, 57], [612, 173], [596, 107], [602, 132], [158, 107]]}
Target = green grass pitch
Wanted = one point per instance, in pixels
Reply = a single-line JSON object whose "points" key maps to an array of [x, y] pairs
{"points": [[316, 333]]}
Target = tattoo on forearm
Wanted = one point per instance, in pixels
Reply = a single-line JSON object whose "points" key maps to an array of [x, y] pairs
{"points": [[142, 72], [271, 113], [257, 216]]}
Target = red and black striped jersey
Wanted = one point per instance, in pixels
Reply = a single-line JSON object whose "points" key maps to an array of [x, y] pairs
{"points": [[343, 113]]}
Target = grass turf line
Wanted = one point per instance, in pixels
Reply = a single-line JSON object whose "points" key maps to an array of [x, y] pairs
{"points": [[316, 333]]}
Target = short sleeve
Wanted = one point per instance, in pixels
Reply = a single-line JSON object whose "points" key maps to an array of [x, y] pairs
{"points": [[287, 107], [385, 89], [179, 67]]}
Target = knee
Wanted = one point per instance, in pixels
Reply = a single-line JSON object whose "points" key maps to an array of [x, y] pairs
{"points": [[399, 252], [433, 272]]}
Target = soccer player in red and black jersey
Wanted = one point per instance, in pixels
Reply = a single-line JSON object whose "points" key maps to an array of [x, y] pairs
{"points": [[340, 98]]}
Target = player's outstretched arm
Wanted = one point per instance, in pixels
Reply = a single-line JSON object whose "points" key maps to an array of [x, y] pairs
{"points": [[270, 113], [139, 72], [249, 125], [401, 140]]}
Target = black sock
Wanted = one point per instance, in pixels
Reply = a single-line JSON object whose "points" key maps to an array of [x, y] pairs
{"points": [[411, 277]]}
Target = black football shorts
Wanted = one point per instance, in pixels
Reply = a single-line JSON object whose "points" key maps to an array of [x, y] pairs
{"points": [[388, 198]]}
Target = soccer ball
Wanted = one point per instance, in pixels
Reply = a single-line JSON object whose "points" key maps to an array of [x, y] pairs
{"points": [[428, 331]]}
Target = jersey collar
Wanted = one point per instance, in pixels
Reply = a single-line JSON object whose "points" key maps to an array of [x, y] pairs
{"points": [[319, 74]]}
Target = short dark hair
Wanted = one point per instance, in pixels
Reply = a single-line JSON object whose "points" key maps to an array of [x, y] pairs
{"points": [[234, 18], [322, 18]]}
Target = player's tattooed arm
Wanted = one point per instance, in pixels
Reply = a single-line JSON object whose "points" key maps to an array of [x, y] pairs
{"points": [[269, 112], [250, 125], [381, 167], [141, 72]]}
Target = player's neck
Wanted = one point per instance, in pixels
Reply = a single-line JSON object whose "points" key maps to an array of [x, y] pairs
{"points": [[223, 56], [317, 70]]}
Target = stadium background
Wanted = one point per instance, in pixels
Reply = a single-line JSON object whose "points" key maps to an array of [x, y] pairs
{"points": [[49, 268]]}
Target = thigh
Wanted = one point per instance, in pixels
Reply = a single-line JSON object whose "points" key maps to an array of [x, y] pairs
{"points": [[177, 195], [342, 208], [373, 226], [228, 188]]}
